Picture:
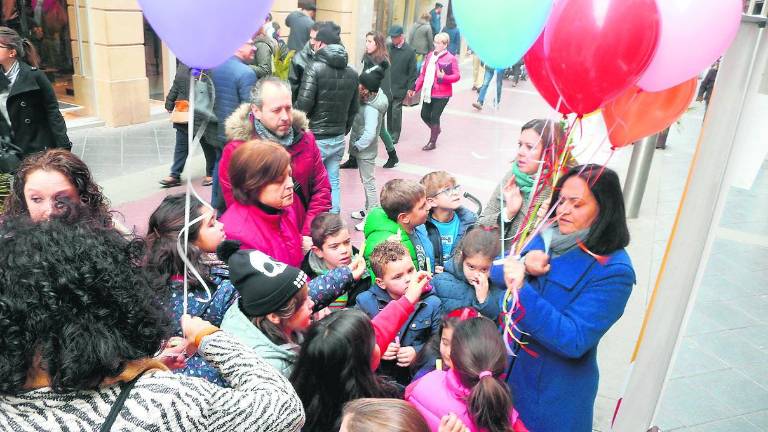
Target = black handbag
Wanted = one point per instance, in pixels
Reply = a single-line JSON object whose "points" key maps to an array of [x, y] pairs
{"points": [[10, 156]]}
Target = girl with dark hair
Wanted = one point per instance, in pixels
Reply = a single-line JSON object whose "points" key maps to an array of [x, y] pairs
{"points": [[474, 387], [45, 181], [573, 284], [340, 354], [450, 27], [466, 279], [537, 137], [30, 119], [436, 353], [164, 263], [81, 323]]}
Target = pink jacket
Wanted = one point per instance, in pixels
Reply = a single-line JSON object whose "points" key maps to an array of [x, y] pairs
{"points": [[306, 163], [276, 235], [440, 393], [443, 88]]}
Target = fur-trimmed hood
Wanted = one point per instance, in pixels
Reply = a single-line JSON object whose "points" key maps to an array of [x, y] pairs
{"points": [[239, 127]]}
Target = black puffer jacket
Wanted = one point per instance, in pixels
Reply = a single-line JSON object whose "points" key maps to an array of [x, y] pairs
{"points": [[299, 62], [328, 93]]}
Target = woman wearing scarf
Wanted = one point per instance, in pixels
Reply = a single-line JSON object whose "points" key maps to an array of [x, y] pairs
{"points": [[30, 119], [438, 73], [573, 283], [518, 185]]}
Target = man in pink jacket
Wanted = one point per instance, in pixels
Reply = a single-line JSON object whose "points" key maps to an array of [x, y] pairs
{"points": [[269, 116]]}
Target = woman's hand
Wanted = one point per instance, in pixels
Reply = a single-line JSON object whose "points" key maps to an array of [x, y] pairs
{"points": [[357, 266], [480, 282], [174, 353], [405, 356], [514, 273], [537, 263], [513, 199], [419, 285], [440, 72], [306, 244], [451, 423], [194, 329], [391, 352]]}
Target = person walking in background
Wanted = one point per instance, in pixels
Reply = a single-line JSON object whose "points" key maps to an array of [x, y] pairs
{"points": [[489, 73], [233, 81], [439, 72], [403, 74], [300, 22], [303, 58], [30, 118], [478, 70], [329, 96], [455, 45], [708, 83], [180, 93], [263, 58], [421, 38], [435, 16]]}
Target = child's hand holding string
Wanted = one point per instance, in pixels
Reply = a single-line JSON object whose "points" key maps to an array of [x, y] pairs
{"points": [[514, 273], [357, 266], [537, 263], [405, 356]]}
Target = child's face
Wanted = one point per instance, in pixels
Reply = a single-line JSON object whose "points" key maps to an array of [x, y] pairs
{"points": [[336, 250], [300, 321], [477, 266], [417, 216], [446, 336], [397, 276], [447, 197], [211, 232]]}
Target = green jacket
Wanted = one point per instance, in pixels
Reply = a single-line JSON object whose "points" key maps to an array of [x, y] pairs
{"points": [[281, 357], [378, 228]]}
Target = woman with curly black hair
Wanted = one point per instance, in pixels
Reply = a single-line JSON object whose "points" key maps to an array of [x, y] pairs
{"points": [[45, 182], [79, 324]]}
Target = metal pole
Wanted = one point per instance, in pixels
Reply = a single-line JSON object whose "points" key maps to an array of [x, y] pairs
{"points": [[637, 174]]}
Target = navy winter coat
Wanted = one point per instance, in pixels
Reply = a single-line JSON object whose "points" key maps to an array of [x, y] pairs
{"points": [[233, 81], [566, 312], [455, 292], [467, 218]]}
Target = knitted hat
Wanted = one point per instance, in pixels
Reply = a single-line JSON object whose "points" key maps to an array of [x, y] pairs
{"points": [[263, 283], [328, 36], [371, 78]]}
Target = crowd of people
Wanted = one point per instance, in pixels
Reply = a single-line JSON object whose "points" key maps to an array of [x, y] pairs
{"points": [[256, 312]]}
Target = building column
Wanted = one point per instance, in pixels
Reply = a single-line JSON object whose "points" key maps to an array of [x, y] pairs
{"points": [[355, 18], [111, 79], [280, 10]]}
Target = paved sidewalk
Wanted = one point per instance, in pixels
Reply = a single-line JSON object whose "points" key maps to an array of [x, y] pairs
{"points": [[720, 379]]}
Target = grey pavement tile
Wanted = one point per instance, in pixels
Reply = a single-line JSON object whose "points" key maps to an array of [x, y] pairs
{"points": [[699, 323], [725, 314], [735, 424], [691, 360], [690, 404], [755, 306], [732, 350], [759, 419], [755, 335], [665, 420], [733, 389], [718, 288], [757, 371]]}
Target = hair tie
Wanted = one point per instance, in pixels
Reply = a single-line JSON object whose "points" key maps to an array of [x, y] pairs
{"points": [[484, 374]]}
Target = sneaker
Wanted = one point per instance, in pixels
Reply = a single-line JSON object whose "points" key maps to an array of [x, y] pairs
{"points": [[478, 106], [358, 215], [360, 226]]}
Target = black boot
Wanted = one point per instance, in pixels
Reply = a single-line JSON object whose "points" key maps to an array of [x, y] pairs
{"points": [[392, 161], [351, 163]]}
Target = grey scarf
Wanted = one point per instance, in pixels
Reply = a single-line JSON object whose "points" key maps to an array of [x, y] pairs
{"points": [[266, 134], [561, 244]]}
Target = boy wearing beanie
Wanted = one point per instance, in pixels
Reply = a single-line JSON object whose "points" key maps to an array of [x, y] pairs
{"points": [[365, 134]]}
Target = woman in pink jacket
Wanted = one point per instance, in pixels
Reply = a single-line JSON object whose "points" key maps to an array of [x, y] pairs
{"points": [[263, 214], [473, 388], [438, 73]]}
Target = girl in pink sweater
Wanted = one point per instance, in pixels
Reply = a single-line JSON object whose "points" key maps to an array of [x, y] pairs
{"points": [[473, 388]]}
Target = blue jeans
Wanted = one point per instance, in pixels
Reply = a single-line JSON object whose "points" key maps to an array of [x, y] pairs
{"points": [[181, 151], [332, 150], [487, 82]]}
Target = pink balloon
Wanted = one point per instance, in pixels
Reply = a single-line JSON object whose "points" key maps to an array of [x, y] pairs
{"points": [[694, 33], [205, 33]]}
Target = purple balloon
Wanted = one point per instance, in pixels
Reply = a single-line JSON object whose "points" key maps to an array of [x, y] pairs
{"points": [[205, 33]]}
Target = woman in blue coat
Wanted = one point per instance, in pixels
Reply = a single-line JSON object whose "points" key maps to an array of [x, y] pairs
{"points": [[573, 284]]}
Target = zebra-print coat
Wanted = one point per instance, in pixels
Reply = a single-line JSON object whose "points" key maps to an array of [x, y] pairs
{"points": [[260, 400]]}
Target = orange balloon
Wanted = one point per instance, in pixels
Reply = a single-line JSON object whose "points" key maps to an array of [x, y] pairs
{"points": [[636, 113]]}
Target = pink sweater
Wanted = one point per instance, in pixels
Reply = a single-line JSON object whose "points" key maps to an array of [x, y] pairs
{"points": [[440, 393]]}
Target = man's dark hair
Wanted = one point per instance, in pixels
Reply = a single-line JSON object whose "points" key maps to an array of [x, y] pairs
{"points": [[307, 6], [438, 5], [74, 303]]}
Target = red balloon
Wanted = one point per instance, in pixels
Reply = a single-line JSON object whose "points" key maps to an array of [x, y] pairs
{"points": [[636, 113], [596, 49], [536, 65]]}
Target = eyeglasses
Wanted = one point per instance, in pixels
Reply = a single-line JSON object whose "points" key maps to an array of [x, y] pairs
{"points": [[448, 191]]}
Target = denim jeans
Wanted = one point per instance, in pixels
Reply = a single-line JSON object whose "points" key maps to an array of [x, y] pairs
{"points": [[487, 82], [181, 151], [332, 150]]}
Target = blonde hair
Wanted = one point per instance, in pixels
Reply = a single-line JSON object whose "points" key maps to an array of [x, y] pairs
{"points": [[383, 415], [425, 16], [436, 181], [443, 37]]}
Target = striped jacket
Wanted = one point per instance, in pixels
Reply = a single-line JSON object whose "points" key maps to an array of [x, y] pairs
{"points": [[260, 400]]}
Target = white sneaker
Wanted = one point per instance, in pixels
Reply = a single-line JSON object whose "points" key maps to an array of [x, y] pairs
{"points": [[358, 215], [360, 226]]}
